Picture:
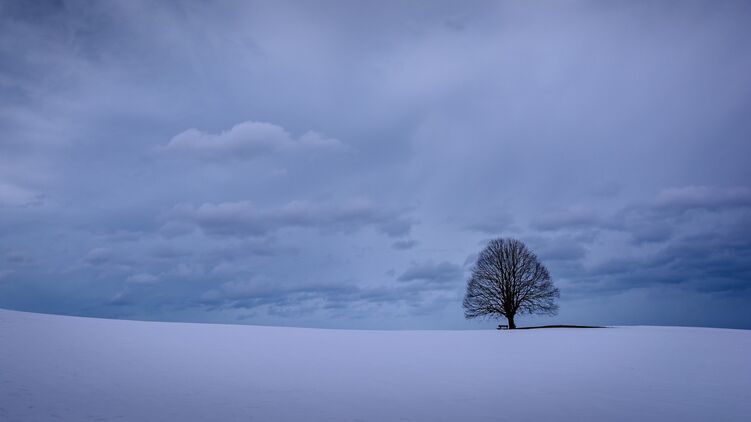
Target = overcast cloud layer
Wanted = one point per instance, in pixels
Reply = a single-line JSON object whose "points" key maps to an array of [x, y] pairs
{"points": [[339, 164]]}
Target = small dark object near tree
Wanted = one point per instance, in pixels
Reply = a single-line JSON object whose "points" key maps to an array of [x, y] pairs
{"points": [[507, 280], [502, 327]]}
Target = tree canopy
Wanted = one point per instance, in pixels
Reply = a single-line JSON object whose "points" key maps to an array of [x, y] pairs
{"points": [[508, 279]]}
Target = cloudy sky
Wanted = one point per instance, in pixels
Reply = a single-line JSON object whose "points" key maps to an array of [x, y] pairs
{"points": [[339, 164]]}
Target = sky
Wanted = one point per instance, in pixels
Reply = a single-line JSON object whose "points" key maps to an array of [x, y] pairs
{"points": [[340, 164]]}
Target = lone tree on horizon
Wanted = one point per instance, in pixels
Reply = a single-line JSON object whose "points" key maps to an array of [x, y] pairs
{"points": [[508, 279]]}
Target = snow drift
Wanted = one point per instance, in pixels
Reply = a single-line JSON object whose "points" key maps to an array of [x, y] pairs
{"points": [[68, 368]]}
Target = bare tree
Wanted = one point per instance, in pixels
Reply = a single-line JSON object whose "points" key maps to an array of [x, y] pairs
{"points": [[508, 279]]}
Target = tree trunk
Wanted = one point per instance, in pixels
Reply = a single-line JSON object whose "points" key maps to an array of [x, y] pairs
{"points": [[511, 324]]}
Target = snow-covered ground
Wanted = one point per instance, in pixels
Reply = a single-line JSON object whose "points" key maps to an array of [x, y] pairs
{"points": [[67, 368]]}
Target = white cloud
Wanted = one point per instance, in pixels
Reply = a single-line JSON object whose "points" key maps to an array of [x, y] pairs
{"points": [[247, 140], [142, 278], [98, 256], [17, 196], [5, 274]]}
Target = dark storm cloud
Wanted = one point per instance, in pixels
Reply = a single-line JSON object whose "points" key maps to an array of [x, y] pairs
{"points": [[264, 247], [290, 300], [404, 244], [573, 219], [432, 273], [651, 232], [243, 218], [494, 224], [703, 197], [556, 249], [707, 249], [271, 162], [250, 294]]}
